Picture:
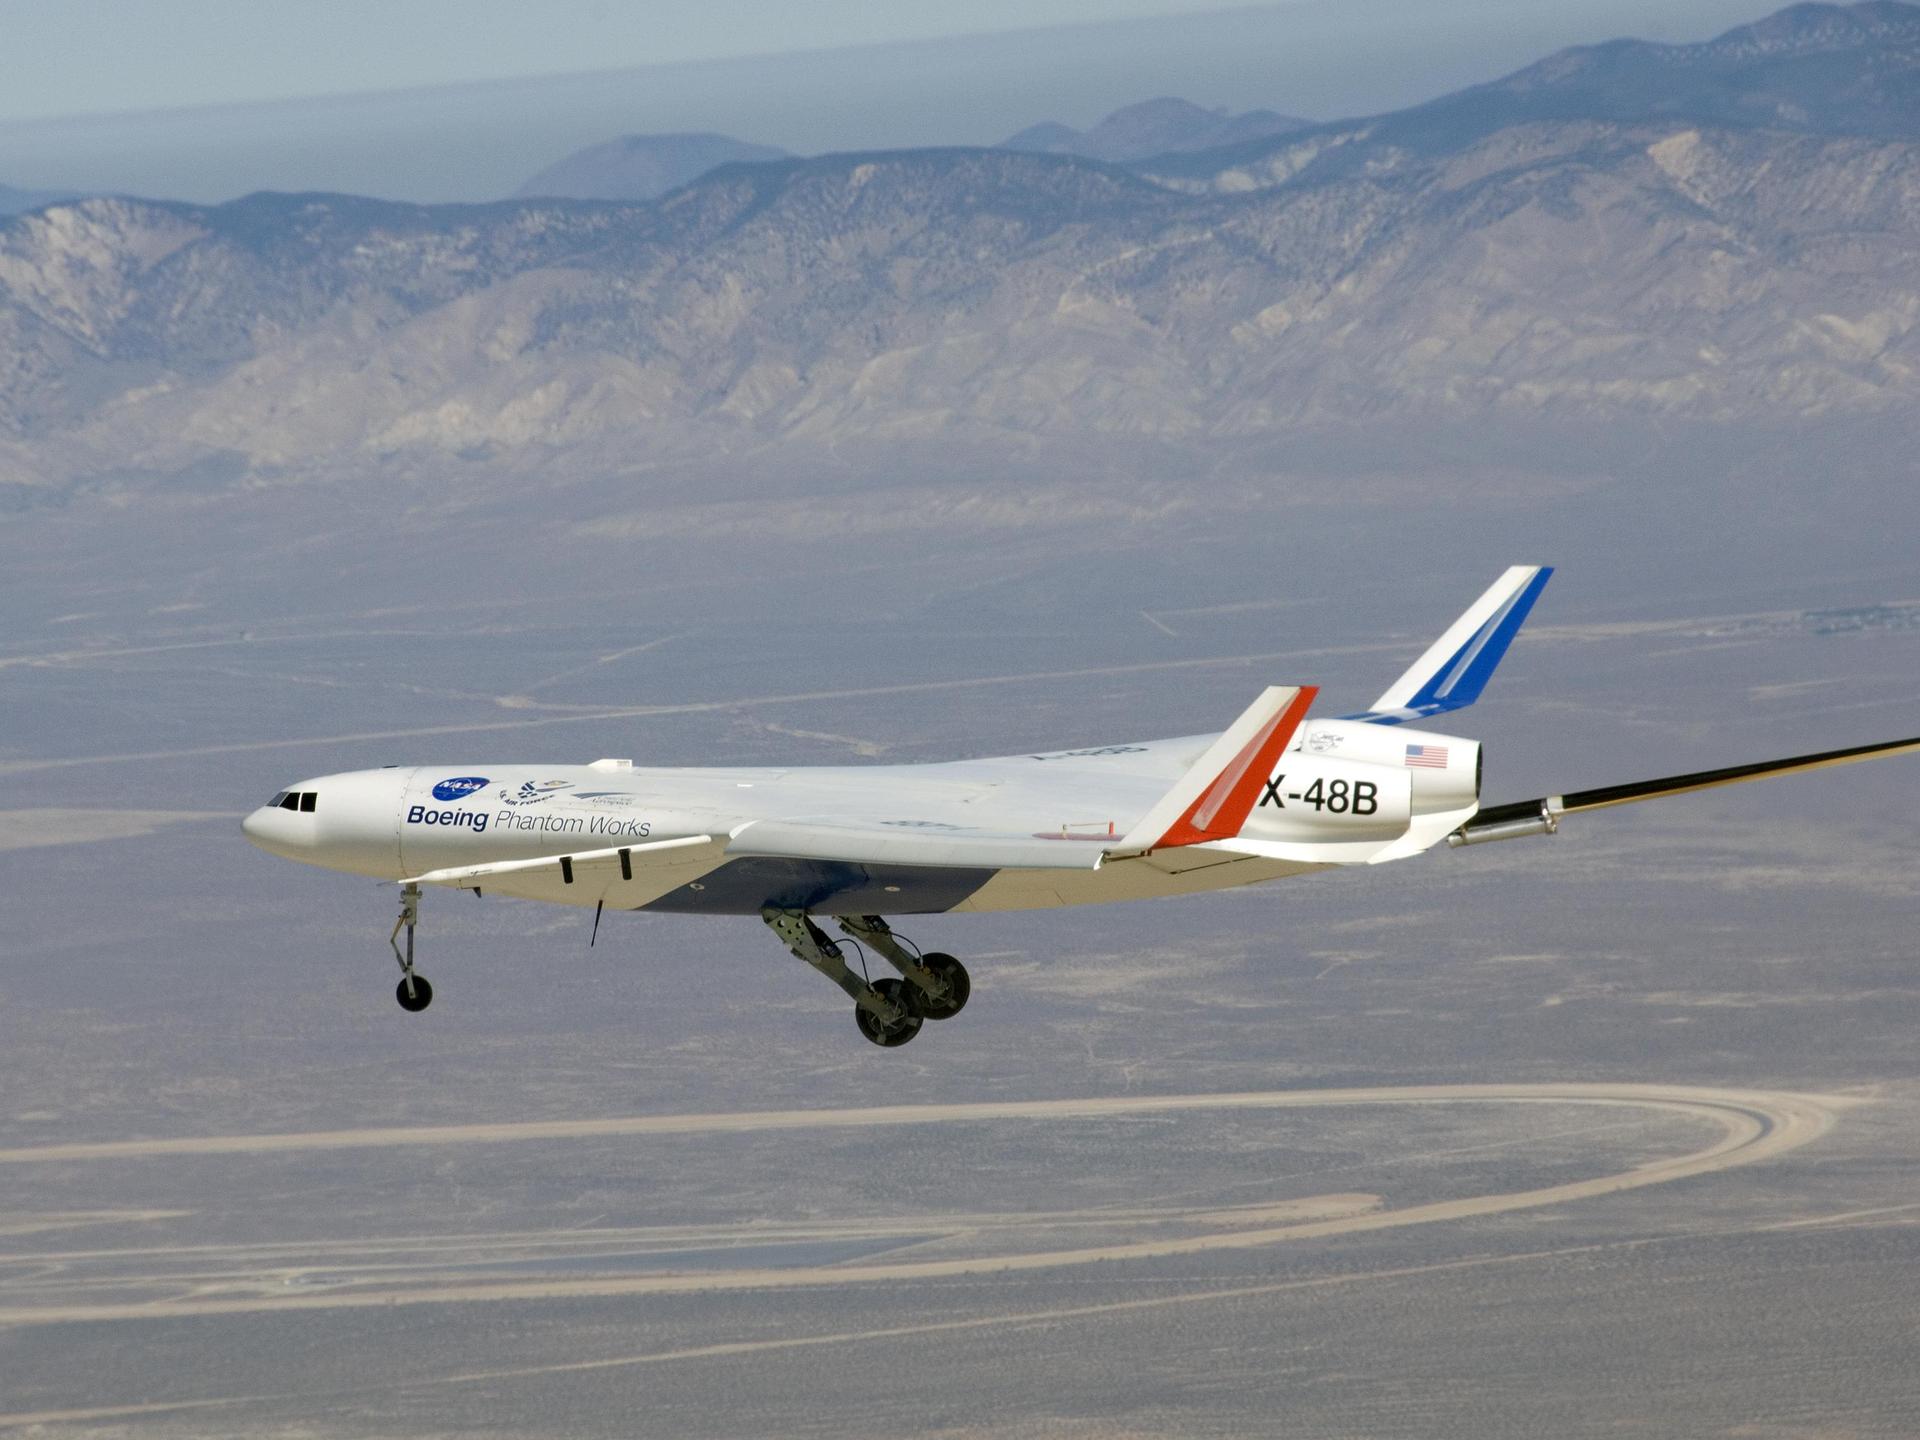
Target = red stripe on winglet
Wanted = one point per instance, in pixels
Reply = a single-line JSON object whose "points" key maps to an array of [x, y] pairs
{"points": [[1223, 807]]}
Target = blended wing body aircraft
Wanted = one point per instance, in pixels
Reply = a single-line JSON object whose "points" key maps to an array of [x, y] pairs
{"points": [[1276, 794]]}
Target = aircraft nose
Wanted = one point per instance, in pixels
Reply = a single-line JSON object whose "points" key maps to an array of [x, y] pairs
{"points": [[349, 821], [277, 830], [254, 827]]}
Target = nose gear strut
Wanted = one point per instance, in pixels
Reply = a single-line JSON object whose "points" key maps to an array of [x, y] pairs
{"points": [[413, 992]]}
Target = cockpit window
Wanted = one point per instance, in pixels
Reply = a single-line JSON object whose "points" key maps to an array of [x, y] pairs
{"points": [[307, 800], [290, 801], [279, 798]]}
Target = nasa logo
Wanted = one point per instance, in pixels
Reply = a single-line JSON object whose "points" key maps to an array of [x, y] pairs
{"points": [[459, 787]]}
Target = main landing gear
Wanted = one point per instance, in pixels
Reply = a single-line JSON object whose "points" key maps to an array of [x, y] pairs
{"points": [[889, 1012], [940, 979], [413, 992]]}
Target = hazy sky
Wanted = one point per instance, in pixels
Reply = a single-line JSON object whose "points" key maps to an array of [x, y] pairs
{"points": [[464, 99], [97, 55]]}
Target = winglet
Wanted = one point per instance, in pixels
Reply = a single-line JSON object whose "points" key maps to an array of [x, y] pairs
{"points": [[1213, 799], [1457, 666]]}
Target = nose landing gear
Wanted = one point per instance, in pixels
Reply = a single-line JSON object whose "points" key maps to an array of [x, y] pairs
{"points": [[413, 992]]}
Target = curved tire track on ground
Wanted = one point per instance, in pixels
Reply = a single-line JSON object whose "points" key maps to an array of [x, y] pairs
{"points": [[1755, 1125]]}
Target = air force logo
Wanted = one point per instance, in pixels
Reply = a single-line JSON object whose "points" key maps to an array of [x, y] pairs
{"points": [[459, 787], [532, 794]]}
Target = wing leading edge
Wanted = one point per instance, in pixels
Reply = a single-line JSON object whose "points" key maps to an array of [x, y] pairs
{"points": [[858, 842]]}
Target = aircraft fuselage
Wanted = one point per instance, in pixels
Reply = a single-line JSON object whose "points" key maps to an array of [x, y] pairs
{"points": [[409, 820]]}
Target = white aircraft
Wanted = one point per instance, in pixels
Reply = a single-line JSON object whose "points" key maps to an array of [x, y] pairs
{"points": [[1275, 794]]}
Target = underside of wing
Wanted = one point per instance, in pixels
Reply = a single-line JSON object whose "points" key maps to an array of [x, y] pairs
{"points": [[623, 877]]}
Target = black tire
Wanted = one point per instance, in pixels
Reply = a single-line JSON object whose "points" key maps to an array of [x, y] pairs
{"points": [[903, 1029], [954, 976], [421, 998]]}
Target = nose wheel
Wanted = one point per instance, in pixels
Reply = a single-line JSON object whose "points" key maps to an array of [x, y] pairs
{"points": [[413, 991]]}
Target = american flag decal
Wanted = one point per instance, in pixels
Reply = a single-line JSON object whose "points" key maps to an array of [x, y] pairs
{"points": [[1427, 757]]}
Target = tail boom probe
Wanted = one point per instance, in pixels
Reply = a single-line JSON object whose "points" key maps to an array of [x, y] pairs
{"points": [[1542, 816]]}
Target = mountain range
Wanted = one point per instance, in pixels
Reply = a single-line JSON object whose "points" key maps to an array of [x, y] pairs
{"points": [[1810, 69], [1154, 127], [645, 167], [641, 167], [1738, 244]]}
